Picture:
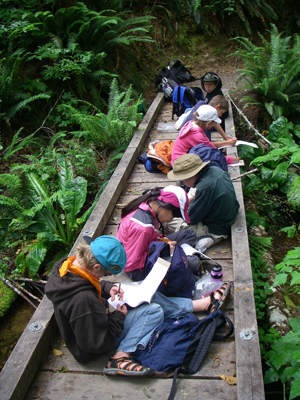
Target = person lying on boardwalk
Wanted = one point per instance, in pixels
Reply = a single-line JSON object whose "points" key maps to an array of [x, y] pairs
{"points": [[214, 207], [141, 221], [193, 134], [220, 103], [82, 313]]}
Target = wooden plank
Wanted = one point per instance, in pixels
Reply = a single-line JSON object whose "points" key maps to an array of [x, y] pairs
{"points": [[249, 368], [145, 176], [219, 360], [53, 386], [248, 358], [28, 354]]}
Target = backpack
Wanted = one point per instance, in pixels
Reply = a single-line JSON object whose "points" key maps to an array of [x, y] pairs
{"points": [[185, 97], [161, 153], [181, 344], [179, 280], [207, 153], [175, 71], [168, 86]]}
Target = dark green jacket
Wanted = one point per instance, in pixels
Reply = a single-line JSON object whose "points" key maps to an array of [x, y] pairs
{"points": [[215, 203]]}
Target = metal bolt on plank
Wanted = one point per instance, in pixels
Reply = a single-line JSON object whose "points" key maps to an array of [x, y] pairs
{"points": [[35, 327], [239, 230], [246, 335]]}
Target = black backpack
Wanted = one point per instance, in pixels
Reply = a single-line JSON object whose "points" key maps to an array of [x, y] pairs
{"points": [[176, 71], [185, 97]]}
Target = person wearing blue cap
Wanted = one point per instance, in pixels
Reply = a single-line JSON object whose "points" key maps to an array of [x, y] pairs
{"points": [[84, 318]]}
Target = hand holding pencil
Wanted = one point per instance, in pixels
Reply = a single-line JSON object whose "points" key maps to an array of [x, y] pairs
{"points": [[116, 291]]}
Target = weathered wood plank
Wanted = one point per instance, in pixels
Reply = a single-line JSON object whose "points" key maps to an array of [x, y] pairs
{"points": [[249, 369], [219, 360], [248, 358], [53, 386], [145, 176]]}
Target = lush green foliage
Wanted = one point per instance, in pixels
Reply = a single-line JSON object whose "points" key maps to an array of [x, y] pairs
{"points": [[232, 15], [289, 272], [276, 167], [258, 246], [48, 195], [272, 74], [6, 298], [276, 188], [47, 50], [284, 360]]}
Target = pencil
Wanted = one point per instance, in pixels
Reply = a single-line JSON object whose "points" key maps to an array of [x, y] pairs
{"points": [[119, 287]]}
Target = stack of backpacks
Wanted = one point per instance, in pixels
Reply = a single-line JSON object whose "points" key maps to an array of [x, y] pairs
{"points": [[171, 81]]}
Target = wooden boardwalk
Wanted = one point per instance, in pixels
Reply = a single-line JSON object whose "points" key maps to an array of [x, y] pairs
{"points": [[60, 376]]}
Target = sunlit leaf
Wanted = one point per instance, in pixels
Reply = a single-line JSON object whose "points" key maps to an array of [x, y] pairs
{"points": [[280, 279], [36, 257]]}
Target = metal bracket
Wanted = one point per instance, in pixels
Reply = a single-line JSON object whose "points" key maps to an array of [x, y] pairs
{"points": [[36, 326], [246, 335]]}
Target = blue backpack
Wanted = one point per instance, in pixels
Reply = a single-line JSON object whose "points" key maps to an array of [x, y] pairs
{"points": [[207, 153], [179, 281], [181, 344], [185, 97]]}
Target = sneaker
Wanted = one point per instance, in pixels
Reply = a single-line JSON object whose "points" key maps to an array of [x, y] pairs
{"points": [[204, 243]]}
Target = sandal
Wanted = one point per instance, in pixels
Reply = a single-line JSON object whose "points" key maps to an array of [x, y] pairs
{"points": [[219, 304], [126, 366]]}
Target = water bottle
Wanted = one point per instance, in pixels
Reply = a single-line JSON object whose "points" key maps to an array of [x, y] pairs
{"points": [[216, 273]]}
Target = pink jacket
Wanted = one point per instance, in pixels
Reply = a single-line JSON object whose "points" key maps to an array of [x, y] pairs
{"points": [[189, 136], [136, 231]]}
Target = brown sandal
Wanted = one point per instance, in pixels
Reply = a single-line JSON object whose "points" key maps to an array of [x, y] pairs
{"points": [[126, 366], [219, 304]]}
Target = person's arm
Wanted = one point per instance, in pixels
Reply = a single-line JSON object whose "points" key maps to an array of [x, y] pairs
{"points": [[219, 129], [231, 160], [230, 142], [95, 330]]}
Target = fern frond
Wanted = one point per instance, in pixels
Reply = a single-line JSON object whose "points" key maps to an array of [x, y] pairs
{"points": [[24, 104]]}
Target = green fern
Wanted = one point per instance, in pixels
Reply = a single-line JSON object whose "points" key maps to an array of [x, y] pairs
{"points": [[272, 72]]}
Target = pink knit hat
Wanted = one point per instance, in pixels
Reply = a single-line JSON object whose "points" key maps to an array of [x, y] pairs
{"points": [[176, 196]]}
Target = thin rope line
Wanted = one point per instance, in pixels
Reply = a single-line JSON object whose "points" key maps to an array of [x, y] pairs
{"points": [[256, 131]]}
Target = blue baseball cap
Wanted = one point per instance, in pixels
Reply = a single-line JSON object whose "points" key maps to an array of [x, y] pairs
{"points": [[109, 251]]}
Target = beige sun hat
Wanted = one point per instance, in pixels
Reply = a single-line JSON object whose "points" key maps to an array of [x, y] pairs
{"points": [[186, 166]]}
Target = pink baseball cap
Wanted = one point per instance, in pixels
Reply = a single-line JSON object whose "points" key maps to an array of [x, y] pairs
{"points": [[178, 197]]}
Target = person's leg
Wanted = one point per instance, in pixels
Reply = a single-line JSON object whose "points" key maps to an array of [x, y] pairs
{"points": [[176, 307], [175, 225], [173, 307], [139, 322], [205, 238], [183, 236]]}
